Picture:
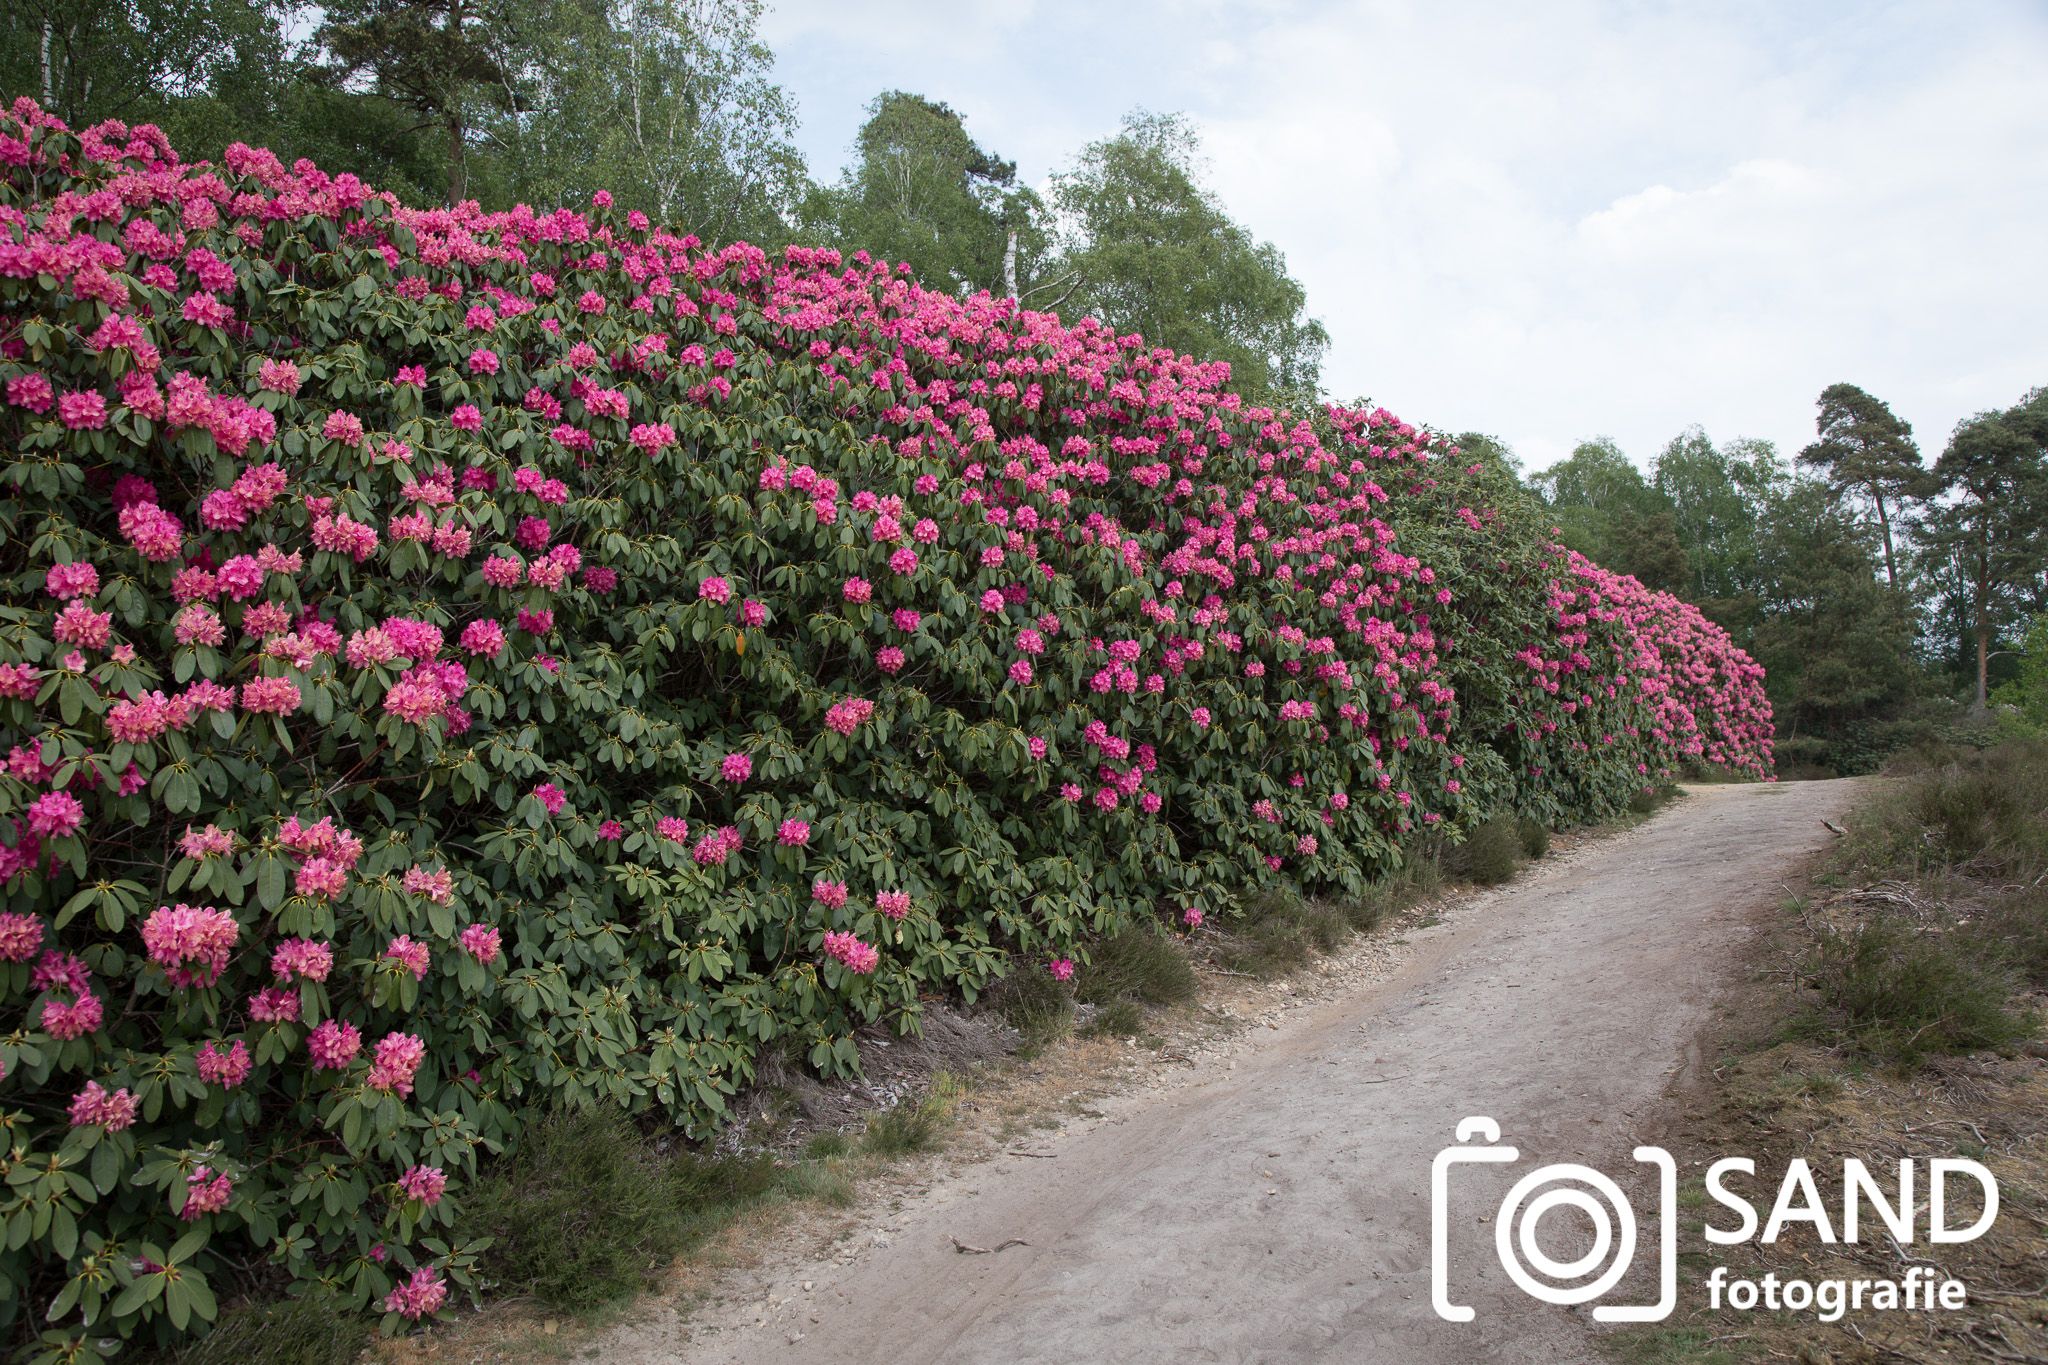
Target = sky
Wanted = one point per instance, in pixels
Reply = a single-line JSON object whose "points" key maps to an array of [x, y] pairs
{"points": [[1550, 221]]}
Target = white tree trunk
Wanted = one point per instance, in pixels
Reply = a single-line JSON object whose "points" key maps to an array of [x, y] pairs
{"points": [[1010, 266]]}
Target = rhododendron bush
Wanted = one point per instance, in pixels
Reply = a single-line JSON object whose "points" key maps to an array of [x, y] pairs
{"points": [[451, 662]]}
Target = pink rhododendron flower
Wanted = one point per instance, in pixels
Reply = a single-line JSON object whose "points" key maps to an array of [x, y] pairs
{"points": [[190, 942], [66, 581], [20, 936], [426, 1184], [65, 1020], [55, 815], [736, 768], [333, 1044], [225, 1067], [394, 1062], [857, 957], [481, 942], [301, 959], [274, 1004], [1062, 968], [113, 1111], [410, 954], [418, 1296]]}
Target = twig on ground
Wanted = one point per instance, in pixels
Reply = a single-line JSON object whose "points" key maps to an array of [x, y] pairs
{"points": [[966, 1250]]}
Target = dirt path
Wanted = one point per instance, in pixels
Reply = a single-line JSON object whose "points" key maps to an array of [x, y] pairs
{"points": [[1275, 1207]]}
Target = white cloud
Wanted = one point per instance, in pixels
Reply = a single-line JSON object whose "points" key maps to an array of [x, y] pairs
{"points": [[1550, 221]]}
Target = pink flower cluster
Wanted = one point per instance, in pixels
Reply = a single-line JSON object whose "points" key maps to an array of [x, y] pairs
{"points": [[190, 942], [857, 957]]}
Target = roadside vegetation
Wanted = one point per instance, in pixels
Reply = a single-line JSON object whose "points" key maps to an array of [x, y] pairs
{"points": [[592, 1208], [1897, 1012]]}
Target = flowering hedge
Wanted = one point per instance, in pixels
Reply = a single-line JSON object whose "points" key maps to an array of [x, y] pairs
{"points": [[452, 661]]}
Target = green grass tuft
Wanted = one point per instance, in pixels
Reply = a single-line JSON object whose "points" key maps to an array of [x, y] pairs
{"points": [[314, 1330], [1903, 995], [1140, 964], [1031, 1002], [588, 1208], [1489, 855], [909, 1128]]}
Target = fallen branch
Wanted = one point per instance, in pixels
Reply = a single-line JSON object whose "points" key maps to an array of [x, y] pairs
{"points": [[966, 1250]]}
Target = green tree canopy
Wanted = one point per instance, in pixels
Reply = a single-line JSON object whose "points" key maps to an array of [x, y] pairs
{"points": [[921, 190], [1865, 448], [442, 60], [1835, 642], [1719, 497], [1605, 509], [1153, 251], [87, 60], [669, 104], [1994, 524]]}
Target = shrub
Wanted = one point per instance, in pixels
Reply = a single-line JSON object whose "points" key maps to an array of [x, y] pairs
{"points": [[1904, 994], [1034, 1004], [1116, 1019], [1281, 932], [586, 1208], [315, 1330], [1140, 964], [1490, 853], [454, 664], [907, 1128], [1978, 811], [2014, 930]]}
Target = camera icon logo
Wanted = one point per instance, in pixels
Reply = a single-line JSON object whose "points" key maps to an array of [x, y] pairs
{"points": [[1564, 1185]]}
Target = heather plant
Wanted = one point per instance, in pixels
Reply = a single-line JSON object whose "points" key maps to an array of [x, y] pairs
{"points": [[456, 664]]}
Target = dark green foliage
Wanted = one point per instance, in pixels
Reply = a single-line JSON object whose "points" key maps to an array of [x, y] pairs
{"points": [[1490, 853], [1140, 964], [1993, 530], [1535, 837], [1864, 448], [439, 59], [1836, 642], [587, 1208], [1903, 993]]}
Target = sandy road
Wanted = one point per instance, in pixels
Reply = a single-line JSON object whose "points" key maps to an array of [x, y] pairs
{"points": [[1276, 1207]]}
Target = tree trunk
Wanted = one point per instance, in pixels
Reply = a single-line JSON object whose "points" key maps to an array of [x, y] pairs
{"points": [[49, 87], [1010, 266], [457, 180], [1983, 664], [453, 112], [1981, 600], [1884, 524]]}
